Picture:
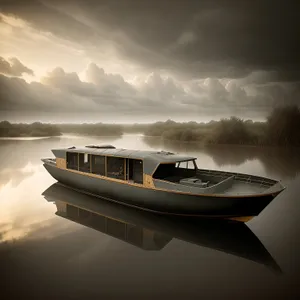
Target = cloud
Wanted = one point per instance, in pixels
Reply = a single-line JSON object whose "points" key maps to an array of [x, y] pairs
{"points": [[66, 82], [186, 38], [111, 83], [213, 38], [18, 95], [156, 95], [13, 67], [161, 90], [144, 60]]}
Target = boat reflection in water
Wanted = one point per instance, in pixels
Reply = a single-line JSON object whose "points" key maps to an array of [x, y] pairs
{"points": [[153, 232]]}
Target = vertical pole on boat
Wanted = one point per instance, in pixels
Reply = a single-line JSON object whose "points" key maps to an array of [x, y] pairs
{"points": [[127, 166], [105, 165], [125, 171], [77, 161]]}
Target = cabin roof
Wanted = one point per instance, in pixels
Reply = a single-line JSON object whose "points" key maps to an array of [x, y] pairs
{"points": [[151, 159], [157, 156]]}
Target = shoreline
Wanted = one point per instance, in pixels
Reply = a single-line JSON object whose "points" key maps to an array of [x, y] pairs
{"points": [[199, 144], [203, 144]]}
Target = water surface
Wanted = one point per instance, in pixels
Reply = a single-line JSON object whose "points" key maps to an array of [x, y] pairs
{"points": [[46, 254]]}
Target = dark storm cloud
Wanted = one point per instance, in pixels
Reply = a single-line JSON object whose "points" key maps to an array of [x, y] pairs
{"points": [[110, 95], [232, 56], [193, 38], [46, 18], [13, 67]]}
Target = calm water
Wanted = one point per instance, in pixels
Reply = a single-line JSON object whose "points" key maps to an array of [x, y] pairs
{"points": [[45, 255]]}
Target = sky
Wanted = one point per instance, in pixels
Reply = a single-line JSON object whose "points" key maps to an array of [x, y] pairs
{"points": [[140, 61]]}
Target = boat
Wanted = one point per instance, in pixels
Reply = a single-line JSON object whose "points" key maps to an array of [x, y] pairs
{"points": [[162, 182], [153, 232]]}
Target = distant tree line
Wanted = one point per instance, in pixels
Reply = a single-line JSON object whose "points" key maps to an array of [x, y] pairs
{"points": [[282, 128], [97, 129], [36, 129]]}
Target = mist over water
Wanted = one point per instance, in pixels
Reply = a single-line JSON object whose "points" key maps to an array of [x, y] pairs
{"points": [[82, 117], [46, 256]]}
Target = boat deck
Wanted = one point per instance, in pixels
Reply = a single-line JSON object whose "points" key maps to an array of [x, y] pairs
{"points": [[227, 183], [242, 188]]}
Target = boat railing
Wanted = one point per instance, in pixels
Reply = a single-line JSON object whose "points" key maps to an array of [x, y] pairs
{"points": [[257, 180]]}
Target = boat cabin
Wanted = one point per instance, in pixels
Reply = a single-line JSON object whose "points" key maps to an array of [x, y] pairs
{"points": [[159, 170], [133, 166], [108, 166]]}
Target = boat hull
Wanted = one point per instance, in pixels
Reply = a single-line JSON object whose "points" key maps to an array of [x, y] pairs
{"points": [[165, 202]]}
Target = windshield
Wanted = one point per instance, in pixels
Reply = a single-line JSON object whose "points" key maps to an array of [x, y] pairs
{"points": [[189, 164]]}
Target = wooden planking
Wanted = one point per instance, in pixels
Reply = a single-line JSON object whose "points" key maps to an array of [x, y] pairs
{"points": [[148, 181], [61, 163]]}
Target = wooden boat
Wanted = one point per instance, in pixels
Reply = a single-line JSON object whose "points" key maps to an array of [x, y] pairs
{"points": [[162, 182], [152, 232]]}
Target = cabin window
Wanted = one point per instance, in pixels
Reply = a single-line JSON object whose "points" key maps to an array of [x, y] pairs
{"points": [[135, 172], [115, 167], [190, 164], [72, 160], [174, 172], [84, 162], [164, 171], [98, 165]]}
